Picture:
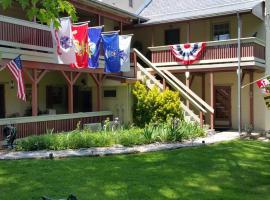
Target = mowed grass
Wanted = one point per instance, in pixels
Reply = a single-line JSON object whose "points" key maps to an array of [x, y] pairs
{"points": [[235, 170]]}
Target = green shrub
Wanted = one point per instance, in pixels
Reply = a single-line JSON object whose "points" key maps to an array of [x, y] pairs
{"points": [[155, 106]]}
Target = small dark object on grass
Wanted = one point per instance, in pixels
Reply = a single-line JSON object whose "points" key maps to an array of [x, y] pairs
{"points": [[51, 156], [9, 133], [70, 197], [45, 198], [203, 142]]}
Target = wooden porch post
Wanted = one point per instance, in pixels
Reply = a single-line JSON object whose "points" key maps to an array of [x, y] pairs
{"points": [[71, 80], [99, 97], [188, 85], [70, 98], [135, 64], [152, 37], [99, 19], [98, 79], [164, 83], [188, 32], [203, 87], [35, 77], [212, 98], [121, 27], [34, 94], [251, 99], [202, 117]]}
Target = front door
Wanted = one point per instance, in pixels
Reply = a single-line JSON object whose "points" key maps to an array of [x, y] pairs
{"points": [[2, 101], [86, 101], [223, 107]]}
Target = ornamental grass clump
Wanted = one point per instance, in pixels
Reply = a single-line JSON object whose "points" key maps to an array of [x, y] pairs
{"points": [[174, 130]]}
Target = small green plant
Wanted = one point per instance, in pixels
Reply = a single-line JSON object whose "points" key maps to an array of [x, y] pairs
{"points": [[49, 131], [148, 133], [107, 124], [78, 126]]}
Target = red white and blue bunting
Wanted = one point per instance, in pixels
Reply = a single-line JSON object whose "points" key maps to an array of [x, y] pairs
{"points": [[188, 53]]}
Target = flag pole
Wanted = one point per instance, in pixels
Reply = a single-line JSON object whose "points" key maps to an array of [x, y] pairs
{"points": [[109, 32], [2, 68], [129, 34], [255, 81], [79, 23], [102, 26]]}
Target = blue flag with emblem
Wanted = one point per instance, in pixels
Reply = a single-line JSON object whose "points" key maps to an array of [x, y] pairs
{"points": [[111, 52], [94, 37]]}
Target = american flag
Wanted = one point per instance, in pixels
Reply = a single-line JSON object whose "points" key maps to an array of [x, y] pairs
{"points": [[15, 66]]}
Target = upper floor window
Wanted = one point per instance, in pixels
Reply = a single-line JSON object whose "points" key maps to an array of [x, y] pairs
{"points": [[172, 36], [221, 31], [130, 3]]}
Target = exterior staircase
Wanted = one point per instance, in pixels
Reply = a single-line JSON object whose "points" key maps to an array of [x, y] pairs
{"points": [[199, 104]]}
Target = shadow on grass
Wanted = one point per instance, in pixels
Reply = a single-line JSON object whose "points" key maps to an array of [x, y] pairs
{"points": [[235, 170]]}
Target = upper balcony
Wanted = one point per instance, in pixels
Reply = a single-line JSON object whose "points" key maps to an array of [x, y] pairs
{"points": [[33, 41], [218, 54]]}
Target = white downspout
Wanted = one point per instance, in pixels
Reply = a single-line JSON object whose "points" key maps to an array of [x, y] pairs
{"points": [[267, 28], [267, 57], [239, 71]]}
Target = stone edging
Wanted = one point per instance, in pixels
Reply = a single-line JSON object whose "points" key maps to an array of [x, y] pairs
{"points": [[116, 150]]}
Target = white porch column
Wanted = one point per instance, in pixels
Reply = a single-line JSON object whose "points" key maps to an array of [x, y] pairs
{"points": [[267, 28]]}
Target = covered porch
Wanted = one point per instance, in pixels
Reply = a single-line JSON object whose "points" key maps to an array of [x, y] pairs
{"points": [[53, 88]]}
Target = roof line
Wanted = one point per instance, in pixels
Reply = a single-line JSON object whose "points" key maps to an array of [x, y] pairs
{"points": [[217, 6], [192, 18], [116, 9]]}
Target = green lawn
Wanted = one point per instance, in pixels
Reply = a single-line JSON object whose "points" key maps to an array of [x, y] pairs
{"points": [[236, 170]]}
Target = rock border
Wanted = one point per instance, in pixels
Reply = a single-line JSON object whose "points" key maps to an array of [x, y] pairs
{"points": [[117, 150]]}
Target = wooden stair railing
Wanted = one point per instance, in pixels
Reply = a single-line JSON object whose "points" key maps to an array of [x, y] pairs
{"points": [[188, 94], [161, 88]]}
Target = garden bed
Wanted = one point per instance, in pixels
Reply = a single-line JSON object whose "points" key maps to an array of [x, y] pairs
{"points": [[77, 139], [117, 149]]}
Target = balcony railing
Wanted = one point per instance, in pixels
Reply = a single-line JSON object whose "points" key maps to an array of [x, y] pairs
{"points": [[216, 52], [25, 35], [27, 126]]}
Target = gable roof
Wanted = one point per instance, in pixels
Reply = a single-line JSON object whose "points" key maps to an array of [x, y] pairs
{"points": [[163, 11], [114, 9]]}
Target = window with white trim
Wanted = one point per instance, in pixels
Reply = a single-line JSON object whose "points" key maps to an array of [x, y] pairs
{"points": [[172, 36], [221, 31]]}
